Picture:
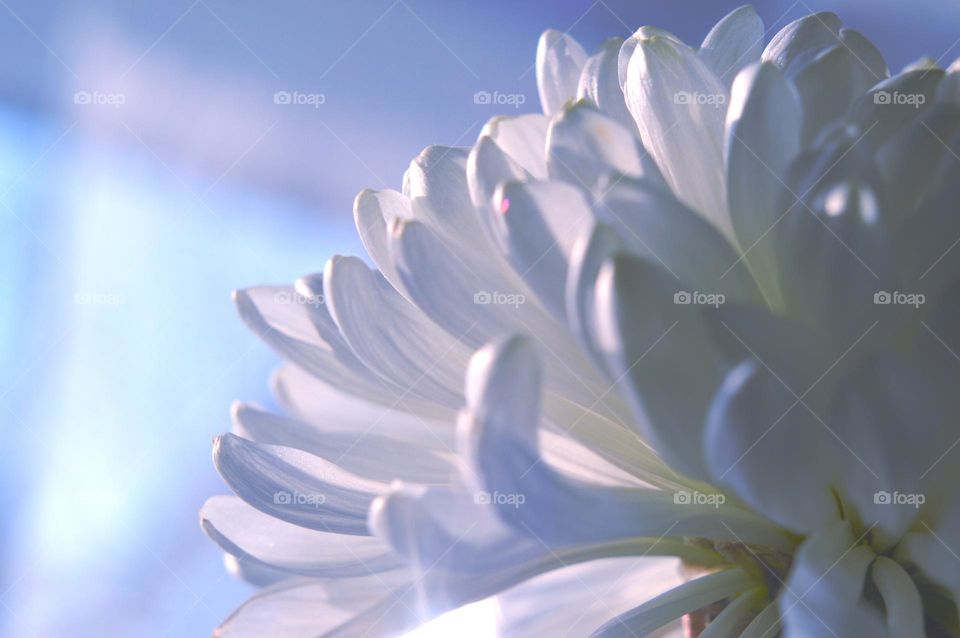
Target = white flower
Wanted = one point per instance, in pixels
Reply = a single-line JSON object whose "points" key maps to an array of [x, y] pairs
{"points": [[705, 308]]}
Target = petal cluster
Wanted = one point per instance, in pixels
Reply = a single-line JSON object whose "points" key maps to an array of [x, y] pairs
{"points": [[700, 313]]}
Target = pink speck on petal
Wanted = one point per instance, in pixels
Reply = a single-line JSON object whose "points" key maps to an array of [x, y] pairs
{"points": [[504, 206]]}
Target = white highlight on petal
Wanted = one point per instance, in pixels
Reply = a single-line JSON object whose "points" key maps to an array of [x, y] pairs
{"points": [[477, 620]]}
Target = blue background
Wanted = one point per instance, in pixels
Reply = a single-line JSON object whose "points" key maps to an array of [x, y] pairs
{"points": [[123, 229]]}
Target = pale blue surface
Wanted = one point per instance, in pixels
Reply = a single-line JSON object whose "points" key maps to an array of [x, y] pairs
{"points": [[108, 456]]}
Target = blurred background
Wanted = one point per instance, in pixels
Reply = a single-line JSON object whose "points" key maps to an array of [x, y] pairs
{"points": [[156, 155]]}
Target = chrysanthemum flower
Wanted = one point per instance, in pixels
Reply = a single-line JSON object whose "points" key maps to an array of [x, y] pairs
{"points": [[705, 307]]}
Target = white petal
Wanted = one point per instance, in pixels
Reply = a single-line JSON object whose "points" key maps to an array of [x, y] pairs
{"points": [[822, 597], [442, 196], [828, 86], [540, 222], [587, 462], [448, 529], [481, 298], [508, 149], [834, 249], [830, 70], [756, 429], [523, 139], [675, 603], [295, 486], [392, 336], [584, 146], [310, 288], [291, 609], [630, 44], [592, 250], [439, 194], [579, 598], [375, 213], [762, 136], [488, 166], [883, 118], [498, 436], [594, 247], [871, 60], [767, 623], [896, 429], [900, 598], [559, 62], [308, 608], [729, 621], [600, 429], [666, 233], [377, 410], [733, 43], [364, 453], [797, 43], [600, 83], [458, 536], [934, 551], [279, 317], [475, 299], [255, 537], [504, 384], [679, 106], [660, 353]]}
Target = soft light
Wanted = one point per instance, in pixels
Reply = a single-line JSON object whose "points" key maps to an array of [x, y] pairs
{"points": [[473, 621]]}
